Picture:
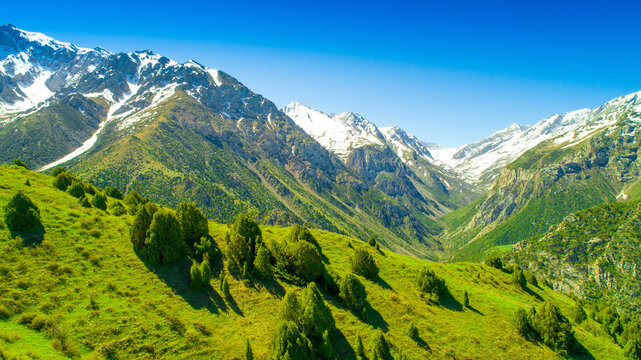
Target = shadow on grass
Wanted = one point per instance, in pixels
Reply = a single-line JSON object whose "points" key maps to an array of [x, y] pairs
{"points": [[448, 301], [31, 237], [342, 348], [273, 287], [472, 309], [382, 283], [580, 352], [533, 294], [375, 318], [422, 343]]}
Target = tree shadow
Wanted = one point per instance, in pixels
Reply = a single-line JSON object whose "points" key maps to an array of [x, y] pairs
{"points": [[473, 309], [422, 343], [342, 347], [273, 287], [448, 301], [30, 237], [580, 352], [533, 294], [375, 319], [382, 283], [233, 305]]}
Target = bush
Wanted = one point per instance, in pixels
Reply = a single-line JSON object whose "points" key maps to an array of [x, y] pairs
{"points": [[262, 264], [57, 171], [76, 190], [62, 181], [290, 344], [84, 202], [354, 295], [430, 284], [363, 264], [305, 261], [200, 274], [519, 279], [553, 328], [578, 314], [494, 262], [530, 278], [371, 241], [193, 222], [289, 309], [132, 200], [90, 189], [380, 348], [21, 214], [523, 324], [249, 229], [118, 209], [99, 201], [142, 222], [18, 162], [165, 243], [315, 316], [237, 249], [412, 332], [302, 233], [113, 192], [204, 248]]}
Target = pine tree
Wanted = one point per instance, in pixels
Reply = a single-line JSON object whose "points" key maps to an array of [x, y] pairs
{"points": [[193, 222], [142, 221], [315, 316], [99, 201], [289, 308], [165, 243], [225, 288], [262, 264], [354, 295], [21, 214], [380, 348], [362, 263], [371, 241], [62, 181]]}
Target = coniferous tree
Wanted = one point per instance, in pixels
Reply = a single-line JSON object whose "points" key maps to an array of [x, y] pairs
{"points": [[193, 222], [99, 201], [289, 308], [246, 227], [58, 170], [62, 181], [20, 163], [315, 316], [429, 283], [519, 279], [165, 243], [302, 233], [225, 288], [380, 348], [262, 264], [113, 192], [354, 295], [21, 214], [84, 202], [362, 263], [76, 190], [306, 261], [578, 314], [326, 349], [289, 343], [371, 241], [494, 262], [141, 224], [553, 328]]}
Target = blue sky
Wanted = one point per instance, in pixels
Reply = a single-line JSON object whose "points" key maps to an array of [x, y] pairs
{"points": [[450, 72]]}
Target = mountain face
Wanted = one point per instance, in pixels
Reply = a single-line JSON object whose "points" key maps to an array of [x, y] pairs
{"points": [[184, 132], [591, 162], [593, 254]]}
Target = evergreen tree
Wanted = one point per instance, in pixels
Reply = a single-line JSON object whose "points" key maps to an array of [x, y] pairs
{"points": [[577, 313], [76, 190], [204, 248], [113, 192], [354, 295], [62, 181], [633, 349], [246, 227], [99, 201], [262, 264], [494, 262], [360, 349], [553, 328], [249, 354], [141, 224], [290, 344], [371, 241], [193, 222], [466, 299], [246, 274], [380, 348], [20, 163], [530, 278], [58, 170], [362, 263], [306, 261], [238, 249], [195, 276], [523, 324], [290, 308], [519, 279], [165, 243], [302, 233], [84, 202], [225, 288], [21, 214], [429, 283], [315, 316]]}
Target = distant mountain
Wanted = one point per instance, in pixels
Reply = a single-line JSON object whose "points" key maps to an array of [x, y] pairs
{"points": [[187, 132], [588, 157]]}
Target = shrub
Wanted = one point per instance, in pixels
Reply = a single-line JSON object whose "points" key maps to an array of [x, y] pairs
{"points": [[302, 233], [99, 201], [371, 241], [76, 190], [57, 171], [90, 189], [113, 192], [18, 162], [262, 264], [224, 287], [412, 332], [62, 181], [577, 314], [380, 348], [21, 214], [306, 261], [523, 324], [118, 209], [290, 344], [140, 226], [204, 247], [315, 316], [519, 279], [354, 295], [363, 263], [553, 328], [132, 200], [429, 283], [237, 249], [494, 262], [289, 309], [530, 278], [193, 221], [165, 243], [246, 227]]}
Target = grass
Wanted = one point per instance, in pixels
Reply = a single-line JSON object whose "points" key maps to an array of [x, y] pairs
{"points": [[113, 305]]}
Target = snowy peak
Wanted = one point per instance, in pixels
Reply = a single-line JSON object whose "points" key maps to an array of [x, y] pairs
{"points": [[13, 39], [339, 133], [481, 160], [407, 146]]}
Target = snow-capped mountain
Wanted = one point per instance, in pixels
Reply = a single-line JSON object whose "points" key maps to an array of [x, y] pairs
{"points": [[407, 146], [338, 133], [481, 160]]}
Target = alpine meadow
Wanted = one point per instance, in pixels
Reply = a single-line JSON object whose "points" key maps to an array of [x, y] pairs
{"points": [[160, 209]]}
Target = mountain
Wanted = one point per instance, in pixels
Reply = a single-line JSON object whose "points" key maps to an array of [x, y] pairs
{"points": [[83, 292], [185, 132], [593, 254], [589, 158]]}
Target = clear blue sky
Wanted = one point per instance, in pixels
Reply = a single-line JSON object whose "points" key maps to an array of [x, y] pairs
{"points": [[449, 71]]}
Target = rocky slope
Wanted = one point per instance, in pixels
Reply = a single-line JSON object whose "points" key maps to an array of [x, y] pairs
{"points": [[593, 254]]}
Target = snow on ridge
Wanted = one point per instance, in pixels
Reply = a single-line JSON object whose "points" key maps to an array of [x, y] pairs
{"points": [[339, 133]]}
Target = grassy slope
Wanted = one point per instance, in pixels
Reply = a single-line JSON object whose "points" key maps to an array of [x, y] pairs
{"points": [[141, 313]]}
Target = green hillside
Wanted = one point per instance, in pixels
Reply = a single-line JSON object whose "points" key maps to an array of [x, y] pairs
{"points": [[92, 296]]}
